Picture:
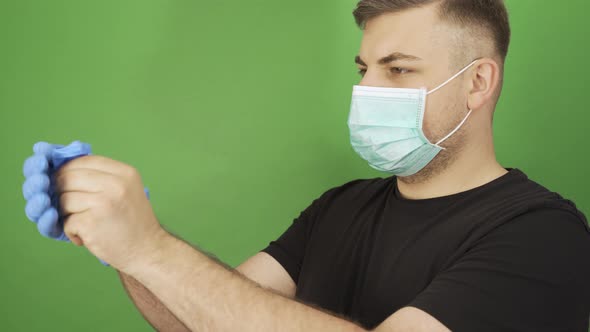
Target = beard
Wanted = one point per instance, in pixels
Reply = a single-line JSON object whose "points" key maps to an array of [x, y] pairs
{"points": [[445, 158]]}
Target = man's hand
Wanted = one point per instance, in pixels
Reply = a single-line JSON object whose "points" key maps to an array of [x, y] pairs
{"points": [[107, 210]]}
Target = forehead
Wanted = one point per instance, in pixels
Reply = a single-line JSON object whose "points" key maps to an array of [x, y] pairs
{"points": [[416, 31]]}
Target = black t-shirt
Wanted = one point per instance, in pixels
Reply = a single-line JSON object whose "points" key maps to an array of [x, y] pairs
{"points": [[506, 256]]}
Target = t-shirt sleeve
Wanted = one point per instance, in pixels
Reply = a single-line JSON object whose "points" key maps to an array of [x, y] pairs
{"points": [[530, 274], [289, 248]]}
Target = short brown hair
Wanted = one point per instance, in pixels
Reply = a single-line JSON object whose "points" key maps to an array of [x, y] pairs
{"points": [[489, 15]]}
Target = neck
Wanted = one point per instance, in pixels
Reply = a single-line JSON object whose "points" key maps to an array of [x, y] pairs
{"points": [[476, 167]]}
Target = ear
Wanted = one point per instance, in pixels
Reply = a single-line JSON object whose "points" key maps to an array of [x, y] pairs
{"points": [[485, 80]]}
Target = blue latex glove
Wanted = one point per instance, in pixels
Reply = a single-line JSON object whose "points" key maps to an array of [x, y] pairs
{"points": [[39, 190]]}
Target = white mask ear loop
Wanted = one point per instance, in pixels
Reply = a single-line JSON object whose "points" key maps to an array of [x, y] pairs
{"points": [[454, 131], [453, 77], [445, 83]]}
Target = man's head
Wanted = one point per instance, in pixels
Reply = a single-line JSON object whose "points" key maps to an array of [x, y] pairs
{"points": [[422, 43]]}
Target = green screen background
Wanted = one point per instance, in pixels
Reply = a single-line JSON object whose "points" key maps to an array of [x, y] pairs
{"points": [[235, 114]]}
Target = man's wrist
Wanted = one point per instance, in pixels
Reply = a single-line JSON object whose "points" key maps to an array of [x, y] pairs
{"points": [[153, 255]]}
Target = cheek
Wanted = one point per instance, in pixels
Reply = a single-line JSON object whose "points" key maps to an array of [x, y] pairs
{"points": [[434, 118], [443, 112]]}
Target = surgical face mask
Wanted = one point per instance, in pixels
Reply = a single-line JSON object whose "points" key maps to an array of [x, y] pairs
{"points": [[386, 128]]}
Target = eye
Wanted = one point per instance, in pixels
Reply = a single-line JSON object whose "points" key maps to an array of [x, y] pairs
{"points": [[399, 70], [362, 71]]}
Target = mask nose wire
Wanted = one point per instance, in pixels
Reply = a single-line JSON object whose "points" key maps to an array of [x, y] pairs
{"points": [[452, 77]]}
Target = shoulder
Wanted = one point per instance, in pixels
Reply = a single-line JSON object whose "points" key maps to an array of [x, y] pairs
{"points": [[549, 241], [556, 207], [539, 261], [519, 198], [551, 225]]}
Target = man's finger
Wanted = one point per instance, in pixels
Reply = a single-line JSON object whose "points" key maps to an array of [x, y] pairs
{"points": [[77, 202], [73, 226], [98, 163], [84, 180]]}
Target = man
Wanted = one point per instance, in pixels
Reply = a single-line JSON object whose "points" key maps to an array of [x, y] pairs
{"points": [[451, 241]]}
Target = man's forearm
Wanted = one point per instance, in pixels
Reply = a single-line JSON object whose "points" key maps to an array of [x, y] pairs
{"points": [[150, 306], [206, 296]]}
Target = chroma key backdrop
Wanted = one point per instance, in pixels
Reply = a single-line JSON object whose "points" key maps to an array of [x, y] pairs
{"points": [[234, 112]]}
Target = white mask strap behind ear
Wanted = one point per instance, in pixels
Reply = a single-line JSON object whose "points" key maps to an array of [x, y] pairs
{"points": [[453, 77], [454, 130]]}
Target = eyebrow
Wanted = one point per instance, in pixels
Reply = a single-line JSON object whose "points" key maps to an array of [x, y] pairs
{"points": [[395, 56]]}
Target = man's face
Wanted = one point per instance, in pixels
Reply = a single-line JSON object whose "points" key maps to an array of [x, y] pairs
{"points": [[413, 49]]}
